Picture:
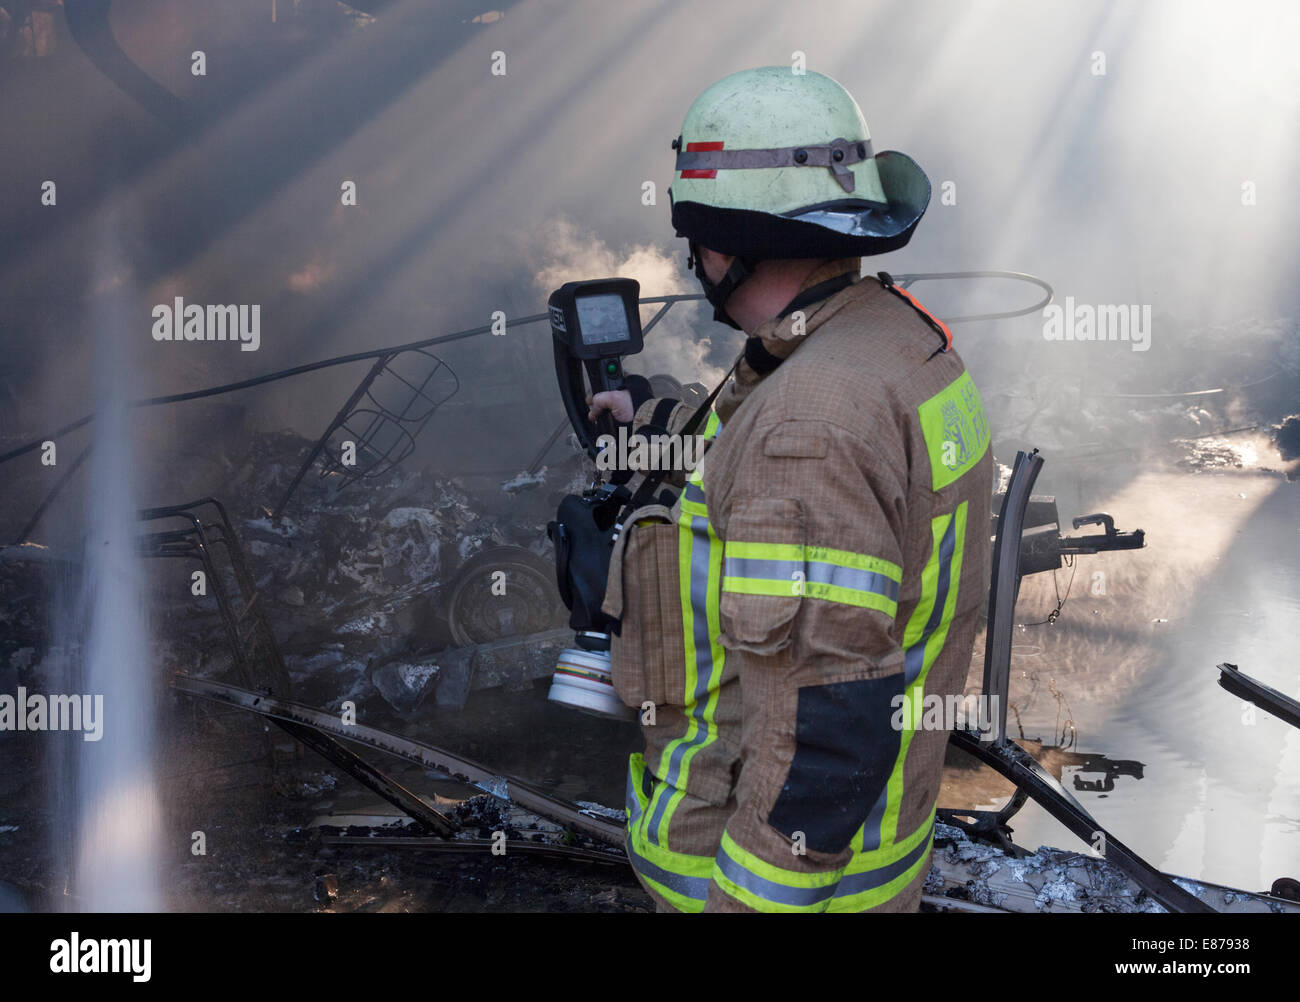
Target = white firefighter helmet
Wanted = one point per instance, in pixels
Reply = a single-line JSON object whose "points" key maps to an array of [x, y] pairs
{"points": [[777, 164]]}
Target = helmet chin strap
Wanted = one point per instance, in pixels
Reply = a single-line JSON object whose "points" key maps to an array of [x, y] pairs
{"points": [[718, 294]]}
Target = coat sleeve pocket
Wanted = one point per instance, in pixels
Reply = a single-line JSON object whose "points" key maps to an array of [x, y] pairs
{"points": [[764, 574], [647, 654]]}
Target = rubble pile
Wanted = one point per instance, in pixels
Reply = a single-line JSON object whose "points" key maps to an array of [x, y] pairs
{"points": [[24, 605], [1048, 880], [1058, 880], [356, 578]]}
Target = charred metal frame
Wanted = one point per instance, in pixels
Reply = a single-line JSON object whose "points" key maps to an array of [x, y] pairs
{"points": [[255, 648], [519, 791], [1237, 682], [371, 420]]}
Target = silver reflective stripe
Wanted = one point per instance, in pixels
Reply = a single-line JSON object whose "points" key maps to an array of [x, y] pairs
{"points": [[694, 492], [837, 155], [914, 657], [760, 569], [770, 890], [848, 885], [856, 883], [871, 827], [700, 553], [853, 578], [633, 801], [815, 572], [692, 887]]}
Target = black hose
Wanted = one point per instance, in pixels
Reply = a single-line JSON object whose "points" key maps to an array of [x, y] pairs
{"points": [[298, 370], [270, 377]]}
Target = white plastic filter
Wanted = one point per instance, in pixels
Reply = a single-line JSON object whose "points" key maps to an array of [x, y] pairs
{"points": [[590, 695]]}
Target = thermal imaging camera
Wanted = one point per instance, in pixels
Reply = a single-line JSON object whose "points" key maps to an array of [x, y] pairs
{"points": [[594, 324]]}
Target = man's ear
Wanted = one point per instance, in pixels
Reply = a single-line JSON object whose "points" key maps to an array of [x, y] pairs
{"points": [[715, 264]]}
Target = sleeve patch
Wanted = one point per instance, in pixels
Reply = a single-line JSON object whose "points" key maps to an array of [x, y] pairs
{"points": [[796, 445], [955, 429]]}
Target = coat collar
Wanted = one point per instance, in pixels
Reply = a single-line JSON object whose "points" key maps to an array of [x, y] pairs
{"points": [[780, 337]]}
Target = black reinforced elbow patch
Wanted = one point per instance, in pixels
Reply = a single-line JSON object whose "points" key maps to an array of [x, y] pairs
{"points": [[845, 750]]}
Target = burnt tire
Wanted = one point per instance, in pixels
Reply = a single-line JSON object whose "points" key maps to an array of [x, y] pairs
{"points": [[477, 611]]}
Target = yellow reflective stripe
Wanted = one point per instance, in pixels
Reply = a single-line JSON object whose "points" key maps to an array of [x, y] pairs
{"points": [[761, 586], [815, 554], [851, 596], [765, 551], [874, 897], [860, 561], [820, 572], [867, 881], [765, 887], [811, 589], [923, 639]]}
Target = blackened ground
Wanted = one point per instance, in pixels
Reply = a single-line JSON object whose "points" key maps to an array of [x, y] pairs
{"points": [[260, 853]]}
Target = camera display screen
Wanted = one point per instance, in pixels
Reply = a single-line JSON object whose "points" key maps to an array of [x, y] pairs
{"points": [[602, 319]]}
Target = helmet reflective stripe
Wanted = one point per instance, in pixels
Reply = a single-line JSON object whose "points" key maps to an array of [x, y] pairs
{"points": [[703, 160], [689, 170]]}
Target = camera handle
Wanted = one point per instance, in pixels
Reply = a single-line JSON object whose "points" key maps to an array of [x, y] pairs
{"points": [[602, 374]]}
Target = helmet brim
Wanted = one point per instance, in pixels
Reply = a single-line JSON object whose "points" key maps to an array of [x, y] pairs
{"points": [[842, 228]]}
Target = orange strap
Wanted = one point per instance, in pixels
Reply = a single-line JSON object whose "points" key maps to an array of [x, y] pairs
{"points": [[938, 325]]}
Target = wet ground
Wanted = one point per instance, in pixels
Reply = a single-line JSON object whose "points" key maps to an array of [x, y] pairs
{"points": [[1133, 655]]}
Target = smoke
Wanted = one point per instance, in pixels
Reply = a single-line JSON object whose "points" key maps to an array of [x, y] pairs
{"points": [[682, 344], [570, 255], [1286, 437]]}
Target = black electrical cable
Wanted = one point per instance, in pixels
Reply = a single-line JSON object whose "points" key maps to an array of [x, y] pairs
{"points": [[1055, 614], [243, 384], [298, 370]]}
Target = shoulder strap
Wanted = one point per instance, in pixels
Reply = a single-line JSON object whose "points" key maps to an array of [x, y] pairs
{"points": [[646, 492]]}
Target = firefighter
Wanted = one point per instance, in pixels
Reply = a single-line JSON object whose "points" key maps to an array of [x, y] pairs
{"points": [[823, 569]]}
